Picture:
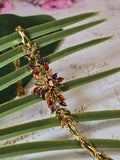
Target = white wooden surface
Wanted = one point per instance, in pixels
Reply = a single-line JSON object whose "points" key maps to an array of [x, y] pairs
{"points": [[100, 95]]}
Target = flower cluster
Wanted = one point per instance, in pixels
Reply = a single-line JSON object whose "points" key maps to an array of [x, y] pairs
{"points": [[5, 7], [54, 4], [47, 84]]}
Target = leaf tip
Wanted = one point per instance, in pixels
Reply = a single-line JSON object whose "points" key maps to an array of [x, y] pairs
{"points": [[112, 37], [98, 13], [106, 19]]}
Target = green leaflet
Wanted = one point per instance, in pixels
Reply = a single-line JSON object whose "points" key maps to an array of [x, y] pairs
{"points": [[30, 127], [36, 147]]}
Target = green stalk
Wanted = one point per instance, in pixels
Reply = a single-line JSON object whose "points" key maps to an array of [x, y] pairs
{"points": [[42, 29], [43, 146], [18, 104], [30, 127], [15, 76], [45, 40]]}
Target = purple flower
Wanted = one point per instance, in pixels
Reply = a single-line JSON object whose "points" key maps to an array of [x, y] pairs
{"points": [[52, 5], [63, 103], [64, 3], [32, 66], [43, 92], [42, 61], [53, 109], [5, 7], [54, 76]]}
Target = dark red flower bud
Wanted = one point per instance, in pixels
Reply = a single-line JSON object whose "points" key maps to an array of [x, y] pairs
{"points": [[46, 67], [35, 72], [50, 102], [36, 90], [60, 79]]}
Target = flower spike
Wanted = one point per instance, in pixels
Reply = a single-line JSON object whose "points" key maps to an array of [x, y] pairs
{"points": [[50, 90]]}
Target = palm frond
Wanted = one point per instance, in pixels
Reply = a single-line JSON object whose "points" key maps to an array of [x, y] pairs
{"points": [[43, 35]]}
